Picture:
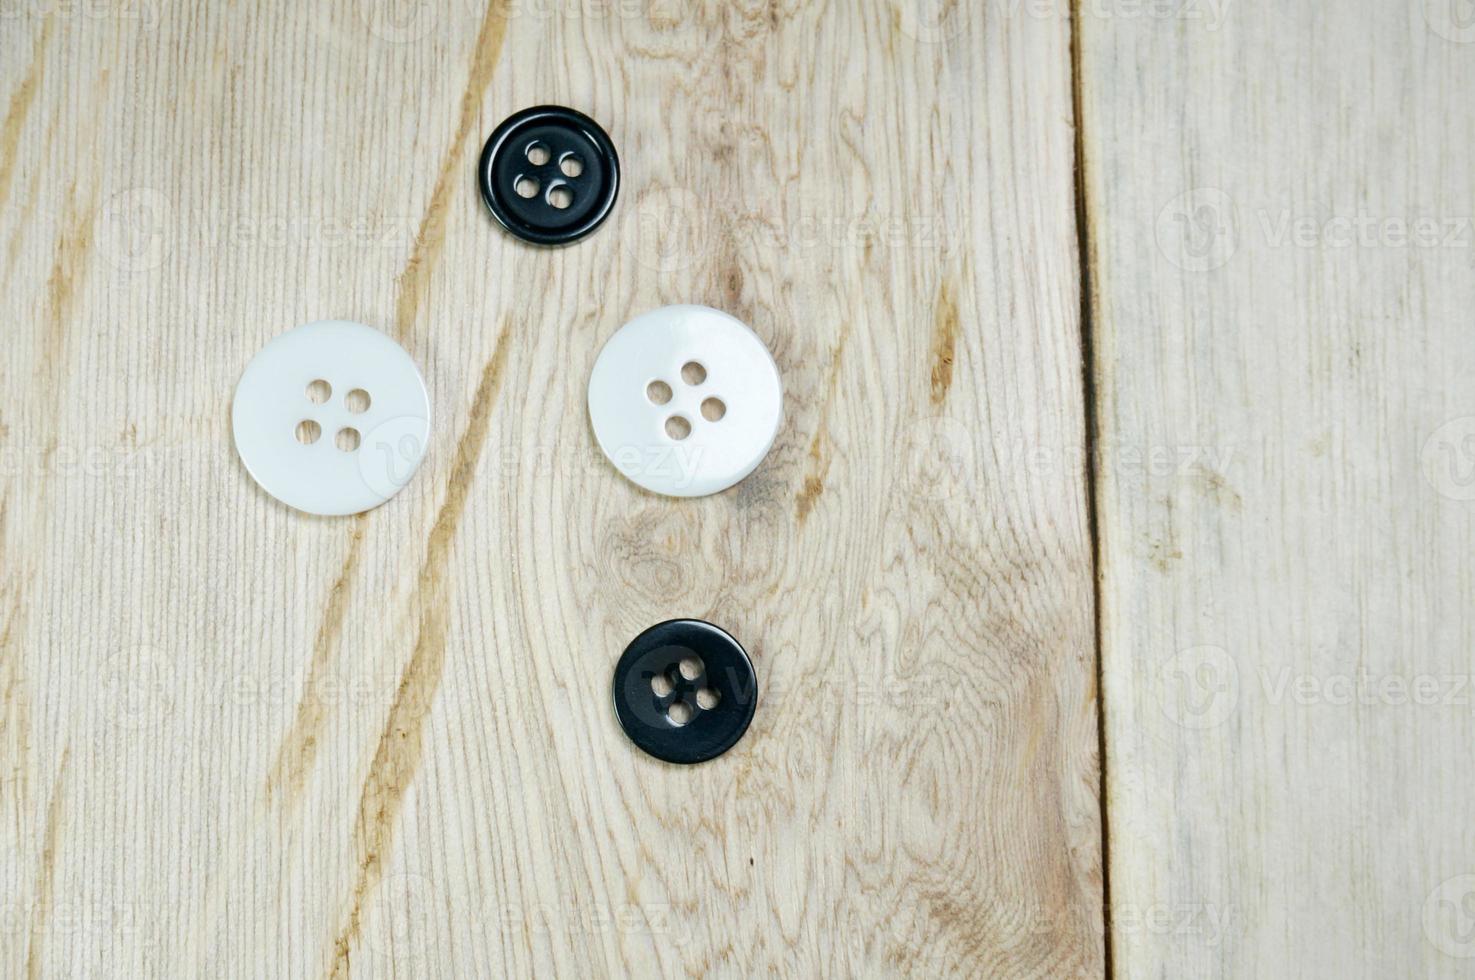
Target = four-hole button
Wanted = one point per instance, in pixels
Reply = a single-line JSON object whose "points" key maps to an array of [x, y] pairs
{"points": [[685, 691], [549, 175]]}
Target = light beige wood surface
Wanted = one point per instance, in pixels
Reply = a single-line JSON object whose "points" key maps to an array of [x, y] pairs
{"points": [[1280, 207], [237, 740]]}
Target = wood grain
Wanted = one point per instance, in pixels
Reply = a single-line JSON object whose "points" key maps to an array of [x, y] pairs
{"points": [[1280, 215], [240, 740]]}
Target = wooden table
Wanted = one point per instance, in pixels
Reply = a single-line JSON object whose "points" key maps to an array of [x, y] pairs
{"points": [[1127, 477]]}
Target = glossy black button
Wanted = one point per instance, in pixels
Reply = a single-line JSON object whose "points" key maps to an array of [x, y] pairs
{"points": [[685, 691], [549, 174]]}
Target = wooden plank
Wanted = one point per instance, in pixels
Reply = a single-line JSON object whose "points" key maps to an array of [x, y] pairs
{"points": [[237, 739], [1280, 210]]}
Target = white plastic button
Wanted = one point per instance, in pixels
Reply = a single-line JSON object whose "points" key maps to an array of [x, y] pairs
{"points": [[331, 418], [685, 400]]}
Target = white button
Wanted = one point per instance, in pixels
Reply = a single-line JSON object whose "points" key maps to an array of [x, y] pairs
{"points": [[331, 418], [685, 400]]}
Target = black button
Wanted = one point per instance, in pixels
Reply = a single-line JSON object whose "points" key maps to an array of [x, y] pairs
{"points": [[685, 691], [549, 174]]}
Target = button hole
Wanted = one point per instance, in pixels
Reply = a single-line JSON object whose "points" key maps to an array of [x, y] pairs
{"points": [[658, 392]]}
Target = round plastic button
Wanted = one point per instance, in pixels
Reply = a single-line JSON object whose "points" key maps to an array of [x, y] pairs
{"points": [[685, 400], [549, 174], [331, 417], [685, 691]]}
